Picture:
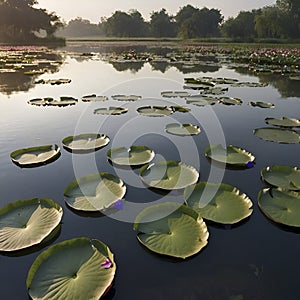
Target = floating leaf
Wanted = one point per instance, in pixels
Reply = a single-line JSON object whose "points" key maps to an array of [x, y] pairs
{"points": [[220, 203], [126, 97], [249, 84], [182, 129], [72, 269], [134, 156], [261, 104], [85, 142], [171, 229], [53, 81], [206, 81], [215, 91], [35, 156], [25, 223], [169, 175], [201, 100], [277, 135], [281, 206], [178, 108], [231, 155], [230, 101], [155, 111], [175, 94], [48, 101], [94, 192], [282, 176], [283, 122], [93, 97], [112, 110]]}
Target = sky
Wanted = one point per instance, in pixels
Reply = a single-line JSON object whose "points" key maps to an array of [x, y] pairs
{"points": [[93, 10]]}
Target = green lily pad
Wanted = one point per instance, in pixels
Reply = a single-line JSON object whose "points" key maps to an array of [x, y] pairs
{"points": [[249, 84], [283, 122], [171, 229], [281, 206], [220, 80], [231, 155], [25, 223], [205, 81], [134, 156], [178, 108], [93, 97], [261, 104], [112, 110], [169, 175], [220, 203], [215, 91], [85, 142], [48, 101], [175, 94], [79, 268], [278, 135], [201, 100], [230, 101], [182, 129], [35, 156], [155, 111], [282, 176], [126, 97], [94, 192], [53, 81]]}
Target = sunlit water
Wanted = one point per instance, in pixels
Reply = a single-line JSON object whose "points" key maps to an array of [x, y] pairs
{"points": [[254, 260]]}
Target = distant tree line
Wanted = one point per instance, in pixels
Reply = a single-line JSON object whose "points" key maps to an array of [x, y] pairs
{"points": [[281, 20], [21, 22]]}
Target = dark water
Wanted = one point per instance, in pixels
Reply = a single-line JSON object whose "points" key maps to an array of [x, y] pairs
{"points": [[254, 260]]}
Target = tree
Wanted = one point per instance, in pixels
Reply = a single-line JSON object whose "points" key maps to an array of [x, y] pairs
{"points": [[162, 24], [269, 23], [122, 24], [194, 22], [240, 27], [19, 21]]}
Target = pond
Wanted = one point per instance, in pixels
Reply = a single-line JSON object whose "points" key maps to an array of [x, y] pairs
{"points": [[255, 259]]}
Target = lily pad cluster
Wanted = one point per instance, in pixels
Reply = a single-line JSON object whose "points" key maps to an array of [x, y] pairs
{"points": [[280, 202], [48, 101]]}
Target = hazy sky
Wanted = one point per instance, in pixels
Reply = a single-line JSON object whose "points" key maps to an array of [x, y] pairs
{"points": [[95, 9]]}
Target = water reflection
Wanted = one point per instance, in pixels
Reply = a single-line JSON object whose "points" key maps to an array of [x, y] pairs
{"points": [[20, 68]]}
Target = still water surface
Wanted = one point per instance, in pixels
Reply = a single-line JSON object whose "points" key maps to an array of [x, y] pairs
{"points": [[254, 260]]}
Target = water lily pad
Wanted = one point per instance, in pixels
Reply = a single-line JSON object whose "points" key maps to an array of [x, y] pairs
{"points": [[53, 81], [281, 206], [282, 176], [230, 101], [249, 84], [25, 223], [93, 97], [181, 233], [277, 135], [35, 156], [201, 100], [182, 129], [220, 203], [85, 142], [112, 110], [155, 111], [261, 104], [169, 175], [178, 108], [283, 122], [126, 97], [175, 94], [205, 81], [94, 192], [48, 101], [215, 91], [79, 268], [134, 156], [231, 155]]}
